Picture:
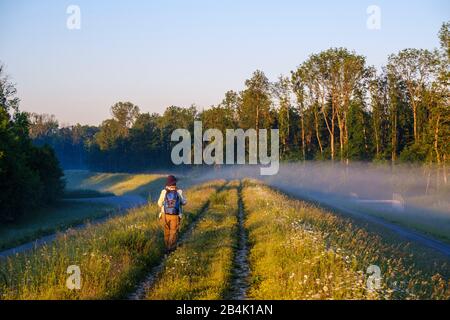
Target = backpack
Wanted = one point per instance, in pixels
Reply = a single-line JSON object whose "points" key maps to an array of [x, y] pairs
{"points": [[172, 202]]}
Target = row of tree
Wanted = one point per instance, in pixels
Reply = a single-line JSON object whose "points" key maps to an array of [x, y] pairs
{"points": [[30, 176], [333, 106]]}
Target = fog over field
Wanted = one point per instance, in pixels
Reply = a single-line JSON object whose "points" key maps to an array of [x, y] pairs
{"points": [[414, 196]]}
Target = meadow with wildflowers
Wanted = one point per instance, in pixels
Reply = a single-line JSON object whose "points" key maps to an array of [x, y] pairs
{"points": [[112, 256], [296, 250], [301, 251]]}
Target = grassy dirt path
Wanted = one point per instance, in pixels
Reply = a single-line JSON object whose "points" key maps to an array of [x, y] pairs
{"points": [[241, 269], [113, 256], [202, 266], [143, 287]]}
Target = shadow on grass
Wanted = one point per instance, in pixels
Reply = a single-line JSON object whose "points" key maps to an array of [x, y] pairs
{"points": [[150, 190]]}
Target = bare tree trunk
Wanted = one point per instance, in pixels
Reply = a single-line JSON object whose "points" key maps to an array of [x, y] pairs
{"points": [[257, 121], [346, 142], [394, 139], [341, 140], [303, 138], [288, 121], [415, 121], [436, 149], [316, 124], [377, 141], [445, 169], [436, 140], [342, 135], [332, 140], [330, 131]]}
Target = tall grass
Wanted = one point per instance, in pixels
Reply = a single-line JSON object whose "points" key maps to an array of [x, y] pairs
{"points": [[201, 268], [299, 251], [112, 256]]}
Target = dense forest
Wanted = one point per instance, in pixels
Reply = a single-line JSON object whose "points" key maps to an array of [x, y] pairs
{"points": [[332, 107], [30, 176]]}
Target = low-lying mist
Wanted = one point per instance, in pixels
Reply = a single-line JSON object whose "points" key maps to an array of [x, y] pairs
{"points": [[412, 195]]}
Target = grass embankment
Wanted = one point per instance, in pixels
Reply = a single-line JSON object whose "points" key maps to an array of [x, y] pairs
{"points": [[85, 194], [425, 220], [49, 220], [299, 251], [112, 256], [202, 267], [119, 184], [68, 213]]}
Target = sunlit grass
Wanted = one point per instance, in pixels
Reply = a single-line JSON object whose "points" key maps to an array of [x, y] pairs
{"points": [[116, 183], [132, 183], [113, 256], [201, 268], [299, 251]]}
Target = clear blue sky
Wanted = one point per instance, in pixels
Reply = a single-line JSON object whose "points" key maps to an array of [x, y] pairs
{"points": [[161, 53]]}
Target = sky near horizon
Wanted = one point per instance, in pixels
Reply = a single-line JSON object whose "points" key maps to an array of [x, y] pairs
{"points": [[174, 52]]}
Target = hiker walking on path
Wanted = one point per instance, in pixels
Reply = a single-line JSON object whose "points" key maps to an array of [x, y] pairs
{"points": [[171, 202]]}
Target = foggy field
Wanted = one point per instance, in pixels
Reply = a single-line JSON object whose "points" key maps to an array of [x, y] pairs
{"points": [[417, 201], [411, 196]]}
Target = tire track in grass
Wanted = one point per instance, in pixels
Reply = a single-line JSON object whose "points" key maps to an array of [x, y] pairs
{"points": [[147, 284], [241, 270], [152, 277]]}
